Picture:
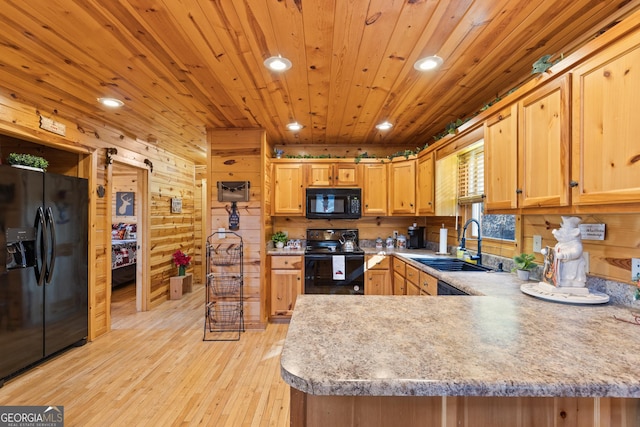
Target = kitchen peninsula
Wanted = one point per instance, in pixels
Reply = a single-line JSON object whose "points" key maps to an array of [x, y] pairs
{"points": [[497, 358]]}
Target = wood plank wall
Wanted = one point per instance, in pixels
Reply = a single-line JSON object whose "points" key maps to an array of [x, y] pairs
{"points": [[369, 228], [609, 258], [236, 156], [172, 176]]}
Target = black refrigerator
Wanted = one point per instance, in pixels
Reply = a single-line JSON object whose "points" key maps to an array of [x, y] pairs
{"points": [[44, 274]]}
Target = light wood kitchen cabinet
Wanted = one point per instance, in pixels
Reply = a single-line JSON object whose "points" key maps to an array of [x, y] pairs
{"points": [[543, 146], [377, 275], [399, 280], [605, 148], [332, 175], [374, 191], [286, 284], [527, 150], [428, 284], [402, 187], [288, 195], [501, 159], [425, 184], [412, 280]]}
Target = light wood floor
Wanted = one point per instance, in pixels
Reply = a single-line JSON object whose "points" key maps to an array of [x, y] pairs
{"points": [[153, 369]]}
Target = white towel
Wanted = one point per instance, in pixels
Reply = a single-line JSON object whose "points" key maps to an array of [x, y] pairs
{"points": [[338, 267]]}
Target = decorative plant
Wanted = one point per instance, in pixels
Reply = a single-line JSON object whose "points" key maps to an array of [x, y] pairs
{"points": [[524, 262], [279, 237], [181, 259], [27, 160], [544, 63], [277, 152]]}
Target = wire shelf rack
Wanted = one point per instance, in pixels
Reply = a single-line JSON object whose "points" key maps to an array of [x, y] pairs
{"points": [[224, 308]]}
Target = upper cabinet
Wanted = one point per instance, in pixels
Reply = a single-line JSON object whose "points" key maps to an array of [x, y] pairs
{"points": [[501, 159], [527, 151], [288, 194], [402, 187], [605, 148], [543, 146], [332, 175], [425, 184], [374, 191]]}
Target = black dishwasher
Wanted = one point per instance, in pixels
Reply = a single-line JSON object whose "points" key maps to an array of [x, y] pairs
{"points": [[445, 289]]}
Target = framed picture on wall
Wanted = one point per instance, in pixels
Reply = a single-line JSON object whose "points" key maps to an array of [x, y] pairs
{"points": [[125, 202]]}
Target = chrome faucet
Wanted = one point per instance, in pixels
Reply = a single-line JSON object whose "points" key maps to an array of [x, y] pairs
{"points": [[477, 257]]}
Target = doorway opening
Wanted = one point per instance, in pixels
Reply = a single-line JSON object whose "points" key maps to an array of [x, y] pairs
{"points": [[128, 195]]}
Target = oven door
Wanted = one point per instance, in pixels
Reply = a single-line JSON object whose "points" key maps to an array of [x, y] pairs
{"points": [[324, 275]]}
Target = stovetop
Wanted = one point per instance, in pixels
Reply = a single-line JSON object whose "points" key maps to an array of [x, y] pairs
{"points": [[330, 251], [328, 241]]}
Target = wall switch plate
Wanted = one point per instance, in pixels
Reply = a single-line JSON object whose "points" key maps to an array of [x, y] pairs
{"points": [[537, 243], [585, 255], [635, 269]]}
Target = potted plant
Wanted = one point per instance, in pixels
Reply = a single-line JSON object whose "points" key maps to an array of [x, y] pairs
{"points": [[182, 260], [524, 263], [279, 239], [28, 161]]}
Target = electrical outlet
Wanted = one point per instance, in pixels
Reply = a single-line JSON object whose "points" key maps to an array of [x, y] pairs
{"points": [[537, 243], [635, 269], [585, 255]]}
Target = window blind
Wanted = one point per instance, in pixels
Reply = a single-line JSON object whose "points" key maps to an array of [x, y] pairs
{"points": [[471, 176]]}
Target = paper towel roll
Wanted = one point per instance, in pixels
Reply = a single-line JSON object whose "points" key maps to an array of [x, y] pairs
{"points": [[443, 241]]}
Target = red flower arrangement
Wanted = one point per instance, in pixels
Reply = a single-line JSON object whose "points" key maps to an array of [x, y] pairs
{"points": [[181, 259]]}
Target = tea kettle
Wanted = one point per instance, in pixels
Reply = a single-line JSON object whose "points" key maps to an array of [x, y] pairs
{"points": [[348, 242]]}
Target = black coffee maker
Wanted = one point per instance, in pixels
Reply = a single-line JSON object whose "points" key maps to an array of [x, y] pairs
{"points": [[416, 238]]}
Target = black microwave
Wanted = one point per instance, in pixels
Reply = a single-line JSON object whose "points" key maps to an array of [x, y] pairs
{"points": [[334, 203]]}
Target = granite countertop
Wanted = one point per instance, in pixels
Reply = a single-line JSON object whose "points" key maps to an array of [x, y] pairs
{"points": [[500, 342]]}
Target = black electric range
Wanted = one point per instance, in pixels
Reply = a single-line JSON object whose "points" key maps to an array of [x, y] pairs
{"points": [[333, 262]]}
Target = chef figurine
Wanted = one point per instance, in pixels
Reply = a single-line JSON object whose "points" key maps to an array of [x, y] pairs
{"points": [[570, 265]]}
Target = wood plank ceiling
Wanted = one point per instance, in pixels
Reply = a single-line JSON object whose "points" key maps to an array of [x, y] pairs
{"points": [[182, 66]]}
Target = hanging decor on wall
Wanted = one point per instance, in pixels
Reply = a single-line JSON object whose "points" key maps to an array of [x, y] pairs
{"points": [[233, 191], [125, 201], [234, 217]]}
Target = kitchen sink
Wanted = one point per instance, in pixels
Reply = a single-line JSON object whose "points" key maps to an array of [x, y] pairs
{"points": [[451, 264]]}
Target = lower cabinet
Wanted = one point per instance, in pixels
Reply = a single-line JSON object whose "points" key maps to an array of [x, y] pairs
{"points": [[286, 284], [399, 280], [377, 275], [428, 284], [412, 280]]}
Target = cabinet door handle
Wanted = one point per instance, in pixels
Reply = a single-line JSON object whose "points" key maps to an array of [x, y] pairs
{"points": [[573, 184], [519, 191]]}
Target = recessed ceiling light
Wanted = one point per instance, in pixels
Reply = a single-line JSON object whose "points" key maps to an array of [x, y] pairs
{"points": [[277, 63], [384, 126], [111, 102], [428, 63], [294, 126]]}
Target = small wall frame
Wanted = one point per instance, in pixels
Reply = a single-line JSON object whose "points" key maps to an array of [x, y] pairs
{"points": [[233, 191], [176, 205]]}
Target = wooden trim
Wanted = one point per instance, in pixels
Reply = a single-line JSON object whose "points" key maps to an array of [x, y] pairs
{"points": [[143, 265], [87, 169]]}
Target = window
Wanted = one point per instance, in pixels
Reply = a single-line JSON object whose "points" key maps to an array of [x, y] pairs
{"points": [[471, 194], [471, 175]]}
